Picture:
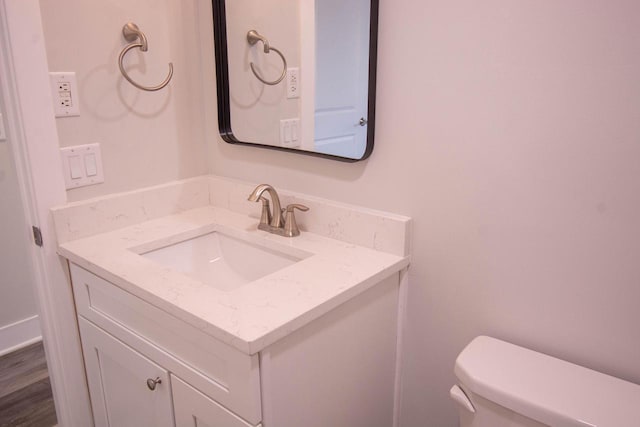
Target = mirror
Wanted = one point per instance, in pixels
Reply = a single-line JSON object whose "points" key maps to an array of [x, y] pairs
{"points": [[297, 75]]}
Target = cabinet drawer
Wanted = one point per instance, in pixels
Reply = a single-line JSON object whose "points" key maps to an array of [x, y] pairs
{"points": [[218, 370], [194, 409]]}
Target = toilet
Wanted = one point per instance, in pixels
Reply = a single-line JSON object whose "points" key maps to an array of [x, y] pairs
{"points": [[503, 385]]}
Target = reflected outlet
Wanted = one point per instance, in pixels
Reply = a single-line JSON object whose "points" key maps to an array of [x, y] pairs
{"points": [[293, 83]]}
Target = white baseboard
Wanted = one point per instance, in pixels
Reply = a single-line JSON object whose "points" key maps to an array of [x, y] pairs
{"points": [[19, 334]]}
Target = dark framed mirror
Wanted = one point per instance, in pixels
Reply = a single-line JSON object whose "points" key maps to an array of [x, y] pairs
{"points": [[297, 75]]}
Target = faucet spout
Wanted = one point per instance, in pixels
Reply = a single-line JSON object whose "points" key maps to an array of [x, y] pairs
{"points": [[276, 217]]}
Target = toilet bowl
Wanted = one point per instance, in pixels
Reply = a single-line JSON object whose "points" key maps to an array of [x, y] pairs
{"points": [[503, 385]]}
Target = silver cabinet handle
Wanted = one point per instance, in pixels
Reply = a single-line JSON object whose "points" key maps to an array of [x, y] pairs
{"points": [[151, 383]]}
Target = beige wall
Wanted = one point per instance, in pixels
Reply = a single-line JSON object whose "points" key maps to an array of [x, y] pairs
{"points": [[146, 137], [509, 132]]}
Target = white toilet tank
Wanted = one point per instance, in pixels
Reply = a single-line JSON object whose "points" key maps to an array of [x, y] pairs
{"points": [[503, 385]]}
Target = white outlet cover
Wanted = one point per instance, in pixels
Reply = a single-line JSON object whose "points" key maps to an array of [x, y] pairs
{"points": [[293, 83], [64, 91]]}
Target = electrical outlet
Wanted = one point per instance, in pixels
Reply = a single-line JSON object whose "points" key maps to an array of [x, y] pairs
{"points": [[293, 82], [64, 91], [65, 100]]}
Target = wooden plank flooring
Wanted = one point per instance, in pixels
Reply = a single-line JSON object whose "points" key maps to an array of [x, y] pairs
{"points": [[25, 391]]}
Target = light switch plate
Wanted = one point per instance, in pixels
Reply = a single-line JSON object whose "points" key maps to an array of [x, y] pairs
{"points": [[82, 165], [64, 90], [290, 133]]}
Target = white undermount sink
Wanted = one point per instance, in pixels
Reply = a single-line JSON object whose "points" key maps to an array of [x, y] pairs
{"points": [[221, 261]]}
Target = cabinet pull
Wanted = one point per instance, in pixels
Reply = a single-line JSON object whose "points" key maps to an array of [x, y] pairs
{"points": [[151, 383]]}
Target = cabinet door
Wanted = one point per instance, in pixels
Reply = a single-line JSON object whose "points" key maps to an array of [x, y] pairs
{"points": [[117, 377], [194, 409]]}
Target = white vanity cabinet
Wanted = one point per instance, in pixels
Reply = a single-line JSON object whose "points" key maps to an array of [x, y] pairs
{"points": [[118, 376], [338, 370], [129, 390], [111, 319]]}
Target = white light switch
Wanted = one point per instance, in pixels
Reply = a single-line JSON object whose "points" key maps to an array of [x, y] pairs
{"points": [[90, 164], [75, 167], [287, 132], [82, 165]]}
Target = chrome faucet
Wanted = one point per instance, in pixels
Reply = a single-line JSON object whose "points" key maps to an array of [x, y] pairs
{"points": [[272, 221]]}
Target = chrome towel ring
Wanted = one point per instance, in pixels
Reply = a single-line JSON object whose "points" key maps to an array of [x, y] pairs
{"points": [[131, 33], [253, 37]]}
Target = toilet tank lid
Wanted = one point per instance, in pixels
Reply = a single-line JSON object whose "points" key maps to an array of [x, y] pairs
{"points": [[546, 389]]}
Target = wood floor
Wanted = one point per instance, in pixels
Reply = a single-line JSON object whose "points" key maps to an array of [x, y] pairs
{"points": [[25, 391]]}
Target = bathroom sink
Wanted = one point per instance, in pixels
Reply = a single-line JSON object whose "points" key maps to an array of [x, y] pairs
{"points": [[221, 261]]}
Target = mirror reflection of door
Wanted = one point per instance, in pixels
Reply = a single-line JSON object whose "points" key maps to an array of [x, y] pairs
{"points": [[341, 77]]}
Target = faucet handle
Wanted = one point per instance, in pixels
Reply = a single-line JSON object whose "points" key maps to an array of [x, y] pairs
{"points": [[290, 225], [293, 206]]}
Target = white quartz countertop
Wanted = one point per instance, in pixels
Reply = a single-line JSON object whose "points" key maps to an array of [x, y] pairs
{"points": [[254, 315]]}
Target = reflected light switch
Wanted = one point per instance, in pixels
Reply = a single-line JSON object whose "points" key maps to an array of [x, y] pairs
{"points": [[290, 132], [287, 132]]}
